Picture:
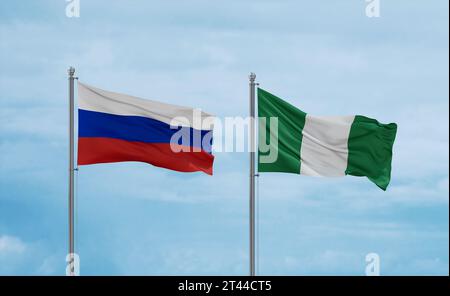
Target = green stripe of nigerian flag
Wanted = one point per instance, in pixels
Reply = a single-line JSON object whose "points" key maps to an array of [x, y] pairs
{"points": [[324, 146]]}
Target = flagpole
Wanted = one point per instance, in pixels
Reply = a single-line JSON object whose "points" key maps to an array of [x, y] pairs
{"points": [[71, 72], [252, 78]]}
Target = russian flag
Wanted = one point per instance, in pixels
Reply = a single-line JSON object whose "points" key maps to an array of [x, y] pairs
{"points": [[114, 127]]}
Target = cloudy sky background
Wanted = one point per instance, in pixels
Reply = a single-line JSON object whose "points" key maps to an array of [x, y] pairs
{"points": [[326, 57]]}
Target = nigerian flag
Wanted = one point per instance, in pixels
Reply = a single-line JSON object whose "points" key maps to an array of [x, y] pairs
{"points": [[322, 146]]}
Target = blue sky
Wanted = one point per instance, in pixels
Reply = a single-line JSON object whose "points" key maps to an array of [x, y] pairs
{"points": [[326, 57]]}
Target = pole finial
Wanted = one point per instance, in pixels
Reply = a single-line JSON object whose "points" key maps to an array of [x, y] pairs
{"points": [[252, 77], [71, 71]]}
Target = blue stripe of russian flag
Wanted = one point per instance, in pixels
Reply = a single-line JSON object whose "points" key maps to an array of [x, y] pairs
{"points": [[94, 124]]}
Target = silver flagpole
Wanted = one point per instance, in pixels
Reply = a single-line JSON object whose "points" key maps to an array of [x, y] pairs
{"points": [[252, 78], [71, 73]]}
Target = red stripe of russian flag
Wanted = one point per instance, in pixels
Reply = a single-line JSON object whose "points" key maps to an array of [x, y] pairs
{"points": [[104, 150]]}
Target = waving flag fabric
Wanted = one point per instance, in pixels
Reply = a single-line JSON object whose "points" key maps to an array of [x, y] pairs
{"points": [[326, 146], [115, 127]]}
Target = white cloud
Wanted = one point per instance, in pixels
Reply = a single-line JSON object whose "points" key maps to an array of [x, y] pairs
{"points": [[11, 245], [18, 257]]}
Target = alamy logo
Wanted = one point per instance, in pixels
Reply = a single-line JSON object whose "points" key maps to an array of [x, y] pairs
{"points": [[73, 8], [373, 264], [73, 264], [373, 8], [231, 134]]}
